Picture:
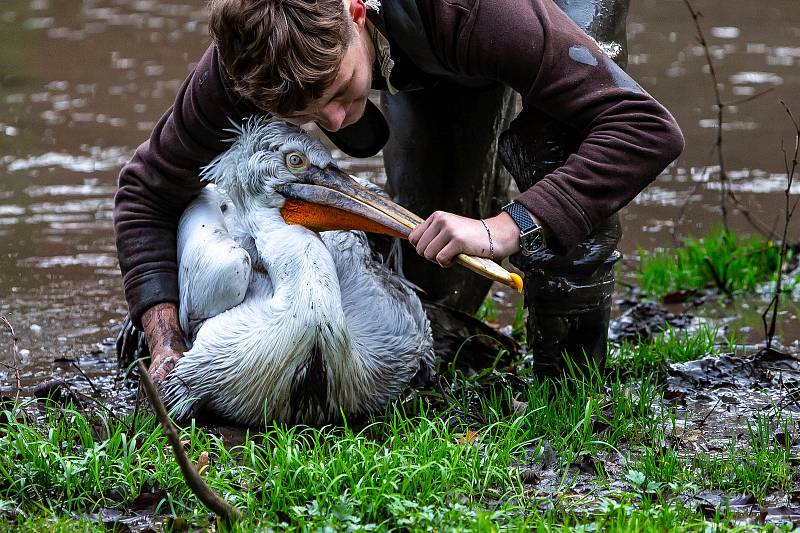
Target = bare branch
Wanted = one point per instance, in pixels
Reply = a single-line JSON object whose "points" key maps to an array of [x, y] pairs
{"points": [[726, 193], [723, 176], [751, 97], [77, 366], [790, 164], [190, 474]]}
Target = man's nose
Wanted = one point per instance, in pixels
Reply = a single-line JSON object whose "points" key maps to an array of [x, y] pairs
{"points": [[332, 116]]}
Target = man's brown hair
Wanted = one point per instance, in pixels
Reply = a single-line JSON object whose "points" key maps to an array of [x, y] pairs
{"points": [[281, 54]]}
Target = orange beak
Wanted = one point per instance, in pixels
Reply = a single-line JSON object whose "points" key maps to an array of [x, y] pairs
{"points": [[328, 199]]}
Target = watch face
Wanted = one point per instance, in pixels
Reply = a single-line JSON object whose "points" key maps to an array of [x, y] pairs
{"points": [[532, 241]]}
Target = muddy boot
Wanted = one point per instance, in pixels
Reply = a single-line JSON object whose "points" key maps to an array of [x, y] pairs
{"points": [[569, 302], [568, 297]]}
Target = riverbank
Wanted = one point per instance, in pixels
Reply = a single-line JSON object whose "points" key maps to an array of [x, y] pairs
{"points": [[688, 426]]}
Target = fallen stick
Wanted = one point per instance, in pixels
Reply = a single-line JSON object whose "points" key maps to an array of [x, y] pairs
{"points": [[199, 487]]}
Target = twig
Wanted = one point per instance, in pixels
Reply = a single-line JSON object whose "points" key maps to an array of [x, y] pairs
{"points": [[754, 222], [790, 393], [677, 238], [15, 365], [91, 383], [720, 281], [48, 388], [751, 97], [705, 418], [723, 177], [726, 193], [789, 208], [190, 474], [98, 403]]}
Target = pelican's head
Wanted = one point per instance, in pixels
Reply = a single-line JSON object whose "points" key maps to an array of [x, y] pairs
{"points": [[275, 165], [265, 155]]}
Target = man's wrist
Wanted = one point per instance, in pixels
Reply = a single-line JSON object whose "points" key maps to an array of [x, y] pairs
{"points": [[531, 231], [506, 234], [162, 328]]}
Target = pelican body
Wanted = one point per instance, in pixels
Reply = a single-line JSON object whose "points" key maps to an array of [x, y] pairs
{"points": [[287, 314]]}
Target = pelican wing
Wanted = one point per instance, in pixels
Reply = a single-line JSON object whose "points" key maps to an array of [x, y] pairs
{"points": [[381, 308], [214, 270]]}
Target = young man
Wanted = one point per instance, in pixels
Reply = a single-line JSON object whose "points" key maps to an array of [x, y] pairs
{"points": [[306, 61]]}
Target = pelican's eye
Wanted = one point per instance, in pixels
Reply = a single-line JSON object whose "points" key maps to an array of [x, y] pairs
{"points": [[296, 162]]}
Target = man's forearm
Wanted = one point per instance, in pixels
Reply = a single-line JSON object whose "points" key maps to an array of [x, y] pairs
{"points": [[162, 329]]}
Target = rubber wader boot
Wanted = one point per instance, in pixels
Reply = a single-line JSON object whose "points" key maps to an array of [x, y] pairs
{"points": [[568, 296]]}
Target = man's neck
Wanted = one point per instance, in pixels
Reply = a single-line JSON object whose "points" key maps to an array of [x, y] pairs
{"points": [[370, 44]]}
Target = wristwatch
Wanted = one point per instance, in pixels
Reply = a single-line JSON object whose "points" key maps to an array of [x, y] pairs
{"points": [[531, 234]]}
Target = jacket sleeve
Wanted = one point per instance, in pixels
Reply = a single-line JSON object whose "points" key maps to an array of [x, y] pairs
{"points": [[162, 178], [626, 137]]}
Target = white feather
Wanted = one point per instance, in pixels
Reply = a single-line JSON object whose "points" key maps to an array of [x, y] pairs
{"points": [[323, 329]]}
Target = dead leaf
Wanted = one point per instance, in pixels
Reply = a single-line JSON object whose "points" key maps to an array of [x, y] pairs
{"points": [[470, 437], [146, 502], [519, 408], [202, 463]]}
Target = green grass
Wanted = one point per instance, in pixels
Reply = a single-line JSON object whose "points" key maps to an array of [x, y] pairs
{"points": [[332, 476], [740, 263], [755, 466], [487, 312], [451, 459], [427, 471], [669, 346]]}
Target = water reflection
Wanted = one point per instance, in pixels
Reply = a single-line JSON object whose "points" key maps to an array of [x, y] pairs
{"points": [[102, 159]]}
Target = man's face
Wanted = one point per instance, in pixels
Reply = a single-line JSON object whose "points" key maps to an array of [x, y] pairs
{"points": [[344, 101]]}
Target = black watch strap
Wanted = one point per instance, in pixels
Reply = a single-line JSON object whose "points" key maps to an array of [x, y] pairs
{"points": [[531, 234], [521, 216]]}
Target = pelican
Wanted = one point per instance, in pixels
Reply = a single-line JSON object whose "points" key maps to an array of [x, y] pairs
{"points": [[287, 314]]}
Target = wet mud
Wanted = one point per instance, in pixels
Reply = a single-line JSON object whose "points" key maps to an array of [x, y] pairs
{"points": [[644, 320], [716, 402], [717, 397]]}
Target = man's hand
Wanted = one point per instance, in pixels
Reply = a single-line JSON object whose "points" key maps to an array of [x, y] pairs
{"points": [[164, 338], [443, 236]]}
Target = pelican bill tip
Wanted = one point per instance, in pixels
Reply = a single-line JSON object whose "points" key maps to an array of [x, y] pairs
{"points": [[516, 281]]}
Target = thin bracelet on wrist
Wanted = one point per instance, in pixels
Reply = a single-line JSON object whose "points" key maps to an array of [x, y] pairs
{"points": [[491, 243]]}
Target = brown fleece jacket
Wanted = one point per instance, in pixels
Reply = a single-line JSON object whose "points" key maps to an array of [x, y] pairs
{"points": [[627, 138]]}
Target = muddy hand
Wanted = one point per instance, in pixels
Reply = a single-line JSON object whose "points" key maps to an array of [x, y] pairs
{"points": [[162, 364], [164, 337]]}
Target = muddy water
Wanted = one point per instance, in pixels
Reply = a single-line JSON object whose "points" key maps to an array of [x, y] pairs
{"points": [[83, 81]]}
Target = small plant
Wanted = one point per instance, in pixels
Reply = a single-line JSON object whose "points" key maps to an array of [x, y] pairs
{"points": [[723, 259], [670, 346], [487, 312]]}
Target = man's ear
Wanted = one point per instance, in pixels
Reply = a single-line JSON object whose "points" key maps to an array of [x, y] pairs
{"points": [[358, 12]]}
